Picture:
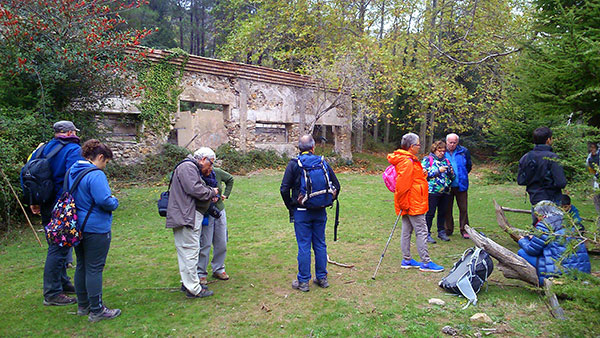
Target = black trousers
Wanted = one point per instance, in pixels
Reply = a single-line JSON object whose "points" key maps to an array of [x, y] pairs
{"points": [[463, 215]]}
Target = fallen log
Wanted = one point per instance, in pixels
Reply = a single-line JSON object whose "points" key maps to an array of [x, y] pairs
{"points": [[555, 308], [514, 233], [510, 264]]}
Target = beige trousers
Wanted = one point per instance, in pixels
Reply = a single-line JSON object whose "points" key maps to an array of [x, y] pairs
{"points": [[187, 243]]}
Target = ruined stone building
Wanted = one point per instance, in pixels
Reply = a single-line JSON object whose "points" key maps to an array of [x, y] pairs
{"points": [[247, 106]]}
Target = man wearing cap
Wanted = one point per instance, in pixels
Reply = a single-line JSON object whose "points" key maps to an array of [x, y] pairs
{"points": [[56, 281], [189, 199]]}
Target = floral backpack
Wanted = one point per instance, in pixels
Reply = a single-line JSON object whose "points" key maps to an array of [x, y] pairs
{"points": [[63, 229]]}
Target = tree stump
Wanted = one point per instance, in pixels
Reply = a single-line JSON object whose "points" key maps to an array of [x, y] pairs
{"points": [[512, 265]]}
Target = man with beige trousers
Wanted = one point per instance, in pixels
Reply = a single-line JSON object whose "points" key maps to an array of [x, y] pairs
{"points": [[189, 199]]}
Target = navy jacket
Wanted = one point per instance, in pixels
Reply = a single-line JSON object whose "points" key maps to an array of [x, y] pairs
{"points": [[291, 183], [62, 161], [93, 187], [549, 177], [460, 159], [549, 251]]}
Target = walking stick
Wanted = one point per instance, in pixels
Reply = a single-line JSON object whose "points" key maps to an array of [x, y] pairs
{"points": [[22, 208], [386, 245]]}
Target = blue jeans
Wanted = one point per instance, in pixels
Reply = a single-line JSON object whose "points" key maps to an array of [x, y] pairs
{"points": [[55, 271], [91, 257], [310, 229]]}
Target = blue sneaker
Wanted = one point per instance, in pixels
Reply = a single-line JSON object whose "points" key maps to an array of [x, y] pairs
{"points": [[412, 264], [431, 267]]}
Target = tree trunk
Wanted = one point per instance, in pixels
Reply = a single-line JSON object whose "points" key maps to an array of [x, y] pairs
{"points": [[512, 265], [192, 17], [202, 28], [386, 135], [376, 130], [358, 130]]}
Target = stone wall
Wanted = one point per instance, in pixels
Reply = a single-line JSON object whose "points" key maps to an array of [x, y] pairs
{"points": [[247, 114]]}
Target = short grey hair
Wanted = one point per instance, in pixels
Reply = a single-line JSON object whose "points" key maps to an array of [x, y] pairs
{"points": [[452, 134], [205, 152], [306, 142], [547, 208], [409, 140]]}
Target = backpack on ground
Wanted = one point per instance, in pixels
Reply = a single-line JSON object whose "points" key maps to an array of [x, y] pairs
{"points": [[37, 177], [163, 200], [316, 189], [469, 274], [389, 177], [64, 228]]}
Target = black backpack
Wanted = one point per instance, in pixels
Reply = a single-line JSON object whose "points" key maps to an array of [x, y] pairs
{"points": [[37, 177], [469, 274], [163, 200]]}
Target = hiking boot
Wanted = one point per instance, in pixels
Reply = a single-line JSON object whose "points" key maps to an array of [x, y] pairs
{"points": [[205, 292], [411, 264], [430, 239], [221, 275], [68, 288], [105, 313], [431, 267], [321, 282], [83, 311], [302, 286], [466, 236], [59, 300], [443, 237]]}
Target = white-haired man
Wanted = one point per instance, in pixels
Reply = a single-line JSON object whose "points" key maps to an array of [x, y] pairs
{"points": [[460, 159], [189, 199]]}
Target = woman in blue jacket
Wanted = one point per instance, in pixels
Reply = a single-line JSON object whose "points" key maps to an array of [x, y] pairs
{"points": [[93, 197], [547, 246]]}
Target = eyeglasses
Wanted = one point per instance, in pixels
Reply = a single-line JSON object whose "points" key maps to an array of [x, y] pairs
{"points": [[417, 145]]}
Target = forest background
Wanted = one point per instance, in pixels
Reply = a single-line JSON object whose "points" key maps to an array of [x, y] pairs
{"points": [[491, 71]]}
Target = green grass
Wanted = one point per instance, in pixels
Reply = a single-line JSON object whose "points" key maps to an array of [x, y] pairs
{"points": [[141, 275]]}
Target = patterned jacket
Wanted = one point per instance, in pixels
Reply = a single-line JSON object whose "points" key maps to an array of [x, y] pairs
{"points": [[438, 182]]}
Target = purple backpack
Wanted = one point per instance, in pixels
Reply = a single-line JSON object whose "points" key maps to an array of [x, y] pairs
{"points": [[389, 177]]}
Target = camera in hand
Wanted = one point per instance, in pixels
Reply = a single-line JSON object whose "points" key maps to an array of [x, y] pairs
{"points": [[213, 211]]}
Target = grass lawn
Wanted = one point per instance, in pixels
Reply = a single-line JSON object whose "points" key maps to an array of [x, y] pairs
{"points": [[142, 279]]}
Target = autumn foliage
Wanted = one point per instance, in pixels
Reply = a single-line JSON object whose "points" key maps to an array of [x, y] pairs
{"points": [[69, 48]]}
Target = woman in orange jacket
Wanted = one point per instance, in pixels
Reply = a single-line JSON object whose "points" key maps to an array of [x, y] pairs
{"points": [[411, 201]]}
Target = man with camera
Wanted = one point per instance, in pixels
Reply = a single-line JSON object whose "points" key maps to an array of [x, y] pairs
{"points": [[189, 200], [214, 227], [313, 186]]}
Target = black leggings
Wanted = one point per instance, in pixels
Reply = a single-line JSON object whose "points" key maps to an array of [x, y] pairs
{"points": [[439, 201]]}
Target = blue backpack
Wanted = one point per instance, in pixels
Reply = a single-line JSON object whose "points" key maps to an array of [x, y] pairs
{"points": [[316, 189]]}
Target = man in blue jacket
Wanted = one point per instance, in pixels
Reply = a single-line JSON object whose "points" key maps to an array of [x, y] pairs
{"points": [[309, 224], [460, 159], [56, 280]]}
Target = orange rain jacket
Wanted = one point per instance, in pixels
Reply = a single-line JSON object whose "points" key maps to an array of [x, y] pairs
{"points": [[411, 196]]}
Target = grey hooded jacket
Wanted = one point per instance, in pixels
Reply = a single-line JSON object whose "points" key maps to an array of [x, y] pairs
{"points": [[187, 188]]}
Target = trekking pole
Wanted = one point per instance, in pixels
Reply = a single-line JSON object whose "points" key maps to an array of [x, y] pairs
{"points": [[386, 245], [21, 205]]}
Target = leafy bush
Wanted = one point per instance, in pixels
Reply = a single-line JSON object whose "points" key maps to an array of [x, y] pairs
{"points": [[152, 168], [21, 131], [237, 162]]}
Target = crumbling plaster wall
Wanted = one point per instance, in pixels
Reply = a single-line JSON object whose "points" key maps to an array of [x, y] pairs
{"points": [[244, 104]]}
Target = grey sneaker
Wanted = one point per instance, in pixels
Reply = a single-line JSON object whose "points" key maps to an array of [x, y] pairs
{"points": [[300, 286], [83, 311], [204, 293], [430, 239], [59, 300], [105, 313], [321, 282]]}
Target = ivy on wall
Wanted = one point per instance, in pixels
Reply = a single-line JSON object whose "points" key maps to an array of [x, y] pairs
{"points": [[161, 83]]}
